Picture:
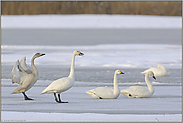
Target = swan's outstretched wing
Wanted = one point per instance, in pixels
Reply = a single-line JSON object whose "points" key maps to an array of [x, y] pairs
{"points": [[23, 64], [15, 73], [18, 73]]}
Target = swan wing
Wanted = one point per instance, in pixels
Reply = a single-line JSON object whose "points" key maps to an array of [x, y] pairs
{"points": [[26, 82], [101, 92], [15, 73], [59, 85], [25, 78], [136, 92], [23, 64], [19, 76]]}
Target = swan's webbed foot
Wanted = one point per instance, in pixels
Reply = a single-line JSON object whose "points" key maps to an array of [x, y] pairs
{"points": [[60, 99], [26, 97], [62, 102]]}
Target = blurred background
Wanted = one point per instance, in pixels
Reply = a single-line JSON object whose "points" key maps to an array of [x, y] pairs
{"points": [[169, 8]]}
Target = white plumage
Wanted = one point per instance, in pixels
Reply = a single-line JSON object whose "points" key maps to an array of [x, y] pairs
{"points": [[104, 92], [24, 76], [159, 71], [63, 84], [138, 91]]}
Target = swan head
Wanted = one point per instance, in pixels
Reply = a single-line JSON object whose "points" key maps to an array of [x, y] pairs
{"points": [[118, 72], [78, 53], [151, 74], [38, 55]]}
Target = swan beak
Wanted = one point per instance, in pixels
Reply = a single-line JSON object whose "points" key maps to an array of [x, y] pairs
{"points": [[43, 54], [121, 72], [154, 77], [81, 54]]}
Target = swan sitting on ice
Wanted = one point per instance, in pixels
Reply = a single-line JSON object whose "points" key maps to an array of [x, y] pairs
{"points": [[106, 93], [65, 83], [160, 71], [24, 76], [138, 91]]}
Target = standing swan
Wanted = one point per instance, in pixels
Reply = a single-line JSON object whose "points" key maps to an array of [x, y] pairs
{"points": [[138, 91], [106, 93], [63, 84], [25, 77], [160, 71]]}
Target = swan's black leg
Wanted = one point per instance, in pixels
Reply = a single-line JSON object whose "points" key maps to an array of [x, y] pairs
{"points": [[60, 99], [56, 97], [25, 96]]}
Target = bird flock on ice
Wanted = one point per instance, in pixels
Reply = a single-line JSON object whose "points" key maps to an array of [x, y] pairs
{"points": [[26, 77]]}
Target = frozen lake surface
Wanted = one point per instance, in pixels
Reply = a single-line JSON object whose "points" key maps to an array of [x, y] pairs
{"points": [[164, 105], [106, 49]]}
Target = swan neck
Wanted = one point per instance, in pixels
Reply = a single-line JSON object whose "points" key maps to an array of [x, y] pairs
{"points": [[149, 85], [34, 69], [72, 66], [116, 89]]}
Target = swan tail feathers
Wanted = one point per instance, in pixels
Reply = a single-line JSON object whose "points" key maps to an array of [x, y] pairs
{"points": [[48, 92], [18, 91], [88, 92], [144, 72], [43, 92], [91, 93], [125, 93]]}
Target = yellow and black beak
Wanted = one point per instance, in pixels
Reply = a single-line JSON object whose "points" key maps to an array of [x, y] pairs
{"points": [[80, 53], [121, 72], [154, 77]]}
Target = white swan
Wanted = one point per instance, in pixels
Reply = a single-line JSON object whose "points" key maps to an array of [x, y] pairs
{"points": [[138, 91], [160, 71], [65, 83], [106, 93], [24, 76]]}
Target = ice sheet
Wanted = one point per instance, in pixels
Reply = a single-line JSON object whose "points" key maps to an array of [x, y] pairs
{"points": [[90, 21], [109, 55]]}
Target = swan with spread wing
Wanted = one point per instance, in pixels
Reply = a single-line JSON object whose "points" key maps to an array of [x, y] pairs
{"points": [[24, 76]]}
